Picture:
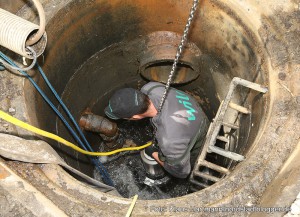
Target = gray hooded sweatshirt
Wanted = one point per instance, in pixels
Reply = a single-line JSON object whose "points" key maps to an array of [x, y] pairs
{"points": [[177, 124]]}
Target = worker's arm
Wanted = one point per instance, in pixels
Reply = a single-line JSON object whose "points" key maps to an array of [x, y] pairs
{"points": [[155, 156], [179, 171]]}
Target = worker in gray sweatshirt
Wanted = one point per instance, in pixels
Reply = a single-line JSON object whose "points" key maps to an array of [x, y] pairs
{"points": [[181, 126]]}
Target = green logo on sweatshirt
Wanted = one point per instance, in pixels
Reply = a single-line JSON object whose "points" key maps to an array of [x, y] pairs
{"points": [[184, 100]]}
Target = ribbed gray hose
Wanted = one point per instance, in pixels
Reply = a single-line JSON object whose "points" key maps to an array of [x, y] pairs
{"points": [[15, 31], [37, 36]]}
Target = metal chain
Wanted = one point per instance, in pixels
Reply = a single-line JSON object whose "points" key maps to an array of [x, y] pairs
{"points": [[178, 53]]}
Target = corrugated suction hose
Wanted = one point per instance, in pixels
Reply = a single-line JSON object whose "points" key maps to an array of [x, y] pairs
{"points": [[37, 36], [16, 32]]}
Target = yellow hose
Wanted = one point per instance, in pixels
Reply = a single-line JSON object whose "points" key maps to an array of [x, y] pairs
{"points": [[38, 131]]}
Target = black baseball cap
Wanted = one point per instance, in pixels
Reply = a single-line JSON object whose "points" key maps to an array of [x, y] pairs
{"points": [[125, 103]]}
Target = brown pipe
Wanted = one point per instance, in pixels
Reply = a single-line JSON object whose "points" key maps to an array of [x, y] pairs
{"points": [[98, 124]]}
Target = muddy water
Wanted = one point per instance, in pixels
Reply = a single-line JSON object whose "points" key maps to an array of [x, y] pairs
{"points": [[127, 171]]}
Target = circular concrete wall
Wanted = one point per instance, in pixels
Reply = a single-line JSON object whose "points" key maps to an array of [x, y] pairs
{"points": [[255, 41]]}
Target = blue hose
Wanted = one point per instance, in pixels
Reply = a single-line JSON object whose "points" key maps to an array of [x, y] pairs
{"points": [[70, 116], [98, 164]]}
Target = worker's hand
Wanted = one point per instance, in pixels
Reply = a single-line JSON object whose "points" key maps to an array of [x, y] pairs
{"points": [[151, 149]]}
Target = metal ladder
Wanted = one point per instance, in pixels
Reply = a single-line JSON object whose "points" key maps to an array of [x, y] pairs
{"points": [[213, 135]]}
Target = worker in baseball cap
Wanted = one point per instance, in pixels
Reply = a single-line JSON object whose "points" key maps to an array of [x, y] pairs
{"points": [[181, 125]]}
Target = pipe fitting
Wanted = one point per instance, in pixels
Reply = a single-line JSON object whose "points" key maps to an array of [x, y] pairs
{"points": [[98, 124], [106, 129], [158, 57]]}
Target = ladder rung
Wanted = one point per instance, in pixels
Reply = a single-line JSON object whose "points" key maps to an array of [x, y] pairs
{"points": [[249, 84], [206, 176], [239, 108], [215, 167], [228, 154], [193, 181], [223, 138], [232, 126]]}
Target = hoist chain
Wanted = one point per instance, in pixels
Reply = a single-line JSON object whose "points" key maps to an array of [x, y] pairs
{"points": [[178, 53]]}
